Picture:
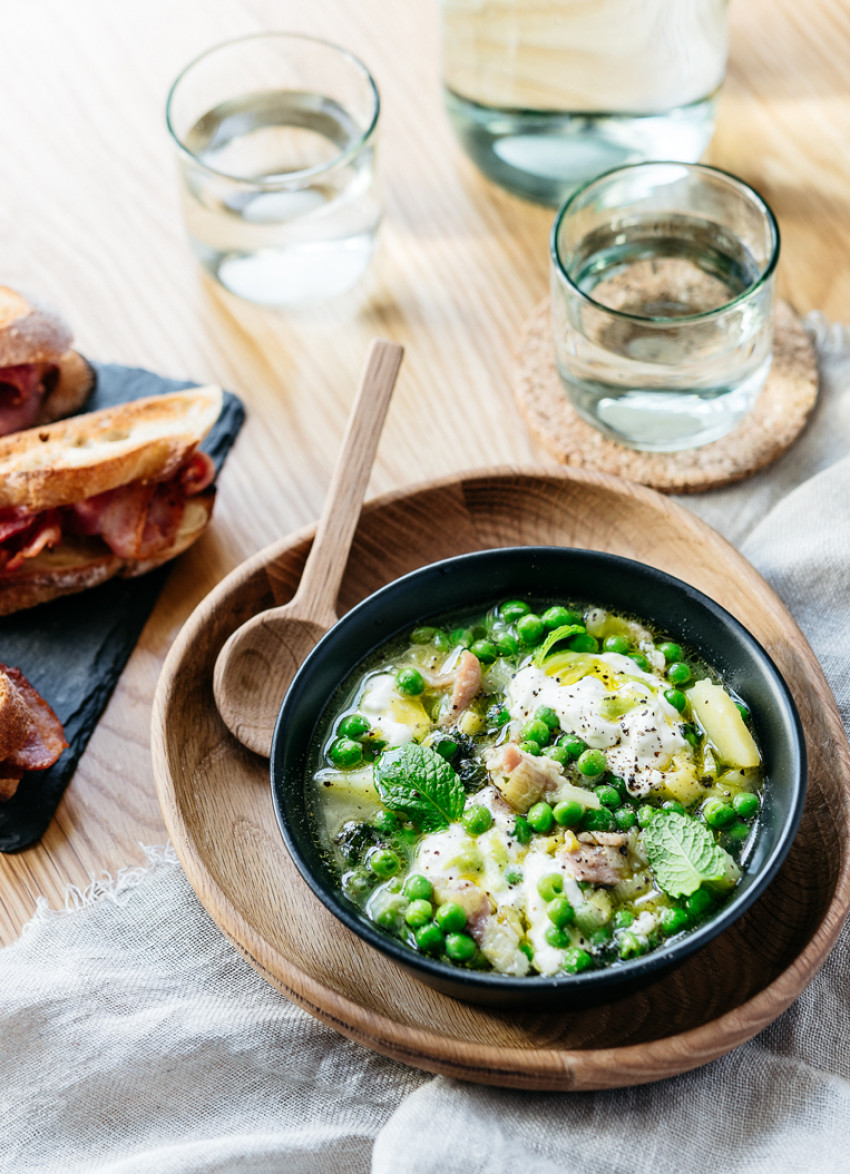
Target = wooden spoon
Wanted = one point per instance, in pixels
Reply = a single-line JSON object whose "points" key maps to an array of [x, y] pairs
{"points": [[257, 663]]}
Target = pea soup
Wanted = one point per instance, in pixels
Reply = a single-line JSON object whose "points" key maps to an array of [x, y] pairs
{"points": [[539, 789]]}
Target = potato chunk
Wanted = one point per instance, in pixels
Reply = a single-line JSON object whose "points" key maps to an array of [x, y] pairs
{"points": [[718, 715]]}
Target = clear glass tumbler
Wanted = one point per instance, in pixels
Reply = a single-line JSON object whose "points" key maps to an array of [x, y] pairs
{"points": [[276, 137], [662, 278], [546, 94]]}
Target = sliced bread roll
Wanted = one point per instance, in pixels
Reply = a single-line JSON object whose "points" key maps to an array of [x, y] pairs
{"points": [[65, 462]]}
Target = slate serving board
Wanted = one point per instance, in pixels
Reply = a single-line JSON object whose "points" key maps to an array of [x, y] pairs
{"points": [[73, 650]]}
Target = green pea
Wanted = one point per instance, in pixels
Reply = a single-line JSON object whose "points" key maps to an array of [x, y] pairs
{"points": [[559, 617], [631, 945], [507, 644], [641, 661], [446, 748], [460, 947], [451, 917], [411, 682], [536, 731], [497, 715], [676, 699], [670, 651], [461, 636], [354, 726], [717, 813], [598, 819], [576, 960], [476, 820], [357, 884], [531, 748], [407, 836], [568, 813], [673, 920], [592, 763], [742, 709], [616, 644], [600, 938], [513, 610], [548, 716], [622, 919], [607, 796], [530, 629], [558, 753], [417, 887], [384, 863], [550, 885], [674, 805], [527, 949], [540, 817], [646, 813], [625, 818], [513, 875], [388, 918], [430, 938], [418, 913], [746, 804], [345, 752], [485, 650], [692, 734], [556, 938], [738, 832], [561, 912], [583, 642], [386, 822], [678, 673], [422, 635], [573, 745], [522, 829], [699, 903]]}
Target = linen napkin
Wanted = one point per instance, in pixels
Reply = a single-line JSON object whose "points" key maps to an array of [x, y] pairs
{"points": [[135, 1039]]}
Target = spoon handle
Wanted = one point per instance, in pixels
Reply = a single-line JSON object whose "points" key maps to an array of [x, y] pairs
{"points": [[323, 571]]}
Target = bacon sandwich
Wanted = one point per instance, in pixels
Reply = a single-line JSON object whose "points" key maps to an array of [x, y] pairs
{"points": [[31, 735], [114, 492], [41, 378]]}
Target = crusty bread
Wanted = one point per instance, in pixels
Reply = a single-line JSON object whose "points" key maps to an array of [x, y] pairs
{"points": [[73, 387], [30, 332], [79, 563], [63, 463]]}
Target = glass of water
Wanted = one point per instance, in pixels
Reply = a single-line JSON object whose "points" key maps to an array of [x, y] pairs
{"points": [[276, 137], [662, 279], [546, 94]]}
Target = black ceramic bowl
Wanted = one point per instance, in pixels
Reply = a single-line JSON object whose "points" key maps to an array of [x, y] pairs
{"points": [[477, 581]]}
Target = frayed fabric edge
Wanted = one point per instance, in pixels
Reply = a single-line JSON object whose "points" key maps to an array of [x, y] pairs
{"points": [[830, 338], [105, 886]]}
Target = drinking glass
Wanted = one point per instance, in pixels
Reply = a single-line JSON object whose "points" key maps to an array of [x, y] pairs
{"points": [[276, 136], [662, 283], [546, 94]]}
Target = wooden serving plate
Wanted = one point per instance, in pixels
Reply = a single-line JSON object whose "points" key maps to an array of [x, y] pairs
{"points": [[217, 804]]}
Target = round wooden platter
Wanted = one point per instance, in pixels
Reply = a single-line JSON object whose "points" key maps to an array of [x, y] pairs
{"points": [[216, 800]]}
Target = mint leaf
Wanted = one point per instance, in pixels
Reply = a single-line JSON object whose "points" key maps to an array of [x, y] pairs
{"points": [[562, 633], [682, 853], [418, 783]]}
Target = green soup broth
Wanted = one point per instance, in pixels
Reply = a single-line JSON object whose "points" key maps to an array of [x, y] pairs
{"points": [[546, 787]]}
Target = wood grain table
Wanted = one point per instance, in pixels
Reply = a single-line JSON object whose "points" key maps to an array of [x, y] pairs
{"points": [[89, 217]]}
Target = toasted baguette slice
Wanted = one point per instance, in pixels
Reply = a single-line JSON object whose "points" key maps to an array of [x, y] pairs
{"points": [[30, 332], [79, 563], [63, 463], [74, 386]]}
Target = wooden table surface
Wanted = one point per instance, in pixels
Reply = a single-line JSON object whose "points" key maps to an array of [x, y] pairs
{"points": [[89, 217]]}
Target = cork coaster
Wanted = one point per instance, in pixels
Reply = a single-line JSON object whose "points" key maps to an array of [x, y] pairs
{"points": [[777, 419]]}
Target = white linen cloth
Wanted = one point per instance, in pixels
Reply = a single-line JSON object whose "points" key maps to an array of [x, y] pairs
{"points": [[134, 1039]]}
